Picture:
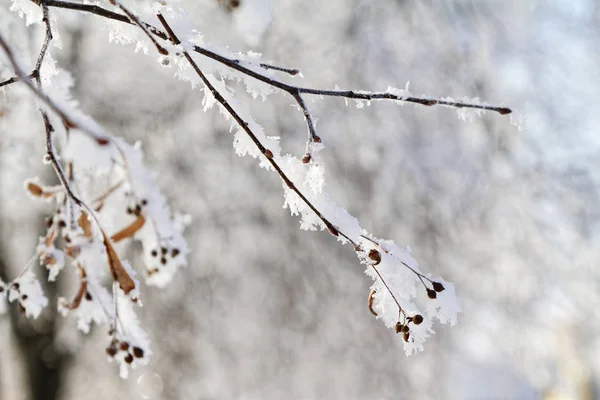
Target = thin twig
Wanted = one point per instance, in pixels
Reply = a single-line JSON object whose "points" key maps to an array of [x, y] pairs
{"points": [[244, 125], [143, 26]]}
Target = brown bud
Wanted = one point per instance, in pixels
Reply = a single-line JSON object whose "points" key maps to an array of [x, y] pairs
{"points": [[102, 141], [438, 287], [417, 319], [139, 353], [268, 153], [399, 327], [375, 256], [111, 350], [431, 293], [504, 111], [128, 358], [316, 139], [406, 336], [332, 230], [306, 158]]}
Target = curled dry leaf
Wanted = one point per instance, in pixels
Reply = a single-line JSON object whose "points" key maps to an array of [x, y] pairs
{"points": [[85, 224], [117, 270], [370, 302], [130, 230], [80, 293]]}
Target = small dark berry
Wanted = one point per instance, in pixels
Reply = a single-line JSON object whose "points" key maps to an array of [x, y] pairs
{"points": [[124, 346], [154, 253], [16, 285], [24, 297], [137, 210], [405, 328], [62, 223], [375, 256], [438, 287], [174, 253], [144, 202], [129, 210], [48, 222], [417, 319], [139, 353], [128, 358], [406, 336], [163, 261], [88, 296], [163, 250], [431, 293], [111, 350]]}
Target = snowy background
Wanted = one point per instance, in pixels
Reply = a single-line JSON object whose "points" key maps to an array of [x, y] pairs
{"points": [[507, 209]]}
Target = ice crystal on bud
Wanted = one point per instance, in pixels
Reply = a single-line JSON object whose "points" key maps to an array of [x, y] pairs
{"points": [[27, 291]]}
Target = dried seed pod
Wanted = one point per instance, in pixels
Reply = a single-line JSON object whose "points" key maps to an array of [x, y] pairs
{"points": [[417, 319], [128, 358], [438, 287], [306, 158], [375, 256], [431, 293], [137, 352]]}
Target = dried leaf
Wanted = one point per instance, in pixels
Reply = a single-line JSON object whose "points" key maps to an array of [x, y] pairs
{"points": [[117, 270], [129, 230]]}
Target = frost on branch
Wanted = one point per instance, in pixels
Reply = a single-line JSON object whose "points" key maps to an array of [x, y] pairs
{"points": [[107, 196]]}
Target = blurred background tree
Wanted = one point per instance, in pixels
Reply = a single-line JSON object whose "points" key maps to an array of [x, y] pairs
{"points": [[265, 310]]}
